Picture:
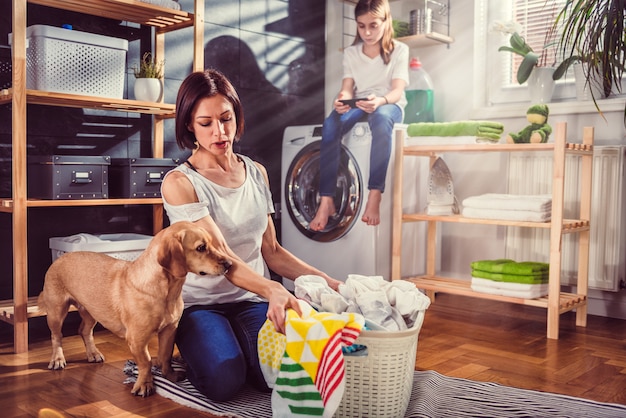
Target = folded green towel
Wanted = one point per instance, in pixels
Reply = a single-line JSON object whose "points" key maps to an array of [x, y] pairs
{"points": [[537, 278], [482, 129], [510, 267]]}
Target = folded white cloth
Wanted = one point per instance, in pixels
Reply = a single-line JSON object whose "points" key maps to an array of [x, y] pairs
{"points": [[507, 215], [538, 203], [517, 290], [82, 238], [389, 306]]}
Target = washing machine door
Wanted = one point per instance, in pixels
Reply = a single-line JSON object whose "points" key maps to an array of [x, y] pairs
{"points": [[302, 193]]}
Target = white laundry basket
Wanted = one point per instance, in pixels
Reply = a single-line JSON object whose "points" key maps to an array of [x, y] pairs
{"points": [[125, 246], [379, 383]]}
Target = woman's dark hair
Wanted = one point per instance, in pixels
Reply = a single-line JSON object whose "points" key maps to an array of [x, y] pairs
{"points": [[380, 10], [196, 86]]}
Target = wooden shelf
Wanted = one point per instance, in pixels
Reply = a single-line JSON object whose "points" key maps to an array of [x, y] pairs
{"points": [[7, 310], [39, 97], [567, 301], [556, 302], [6, 205], [569, 225], [428, 150], [161, 18]]}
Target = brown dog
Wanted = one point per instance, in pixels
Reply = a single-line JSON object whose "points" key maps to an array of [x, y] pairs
{"points": [[132, 299]]}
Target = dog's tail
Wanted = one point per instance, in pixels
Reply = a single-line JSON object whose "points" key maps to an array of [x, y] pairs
{"points": [[41, 304]]}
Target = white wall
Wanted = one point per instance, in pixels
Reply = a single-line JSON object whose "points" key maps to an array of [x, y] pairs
{"points": [[453, 70]]}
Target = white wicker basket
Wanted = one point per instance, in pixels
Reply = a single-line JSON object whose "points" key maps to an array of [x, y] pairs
{"points": [[379, 383], [121, 246]]}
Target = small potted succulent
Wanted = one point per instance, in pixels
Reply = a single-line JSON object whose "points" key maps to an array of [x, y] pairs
{"points": [[149, 79]]}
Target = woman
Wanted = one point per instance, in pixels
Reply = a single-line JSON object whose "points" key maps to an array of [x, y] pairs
{"points": [[228, 195], [376, 69]]}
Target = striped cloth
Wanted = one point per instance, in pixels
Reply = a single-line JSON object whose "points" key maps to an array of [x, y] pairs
{"points": [[433, 395], [305, 366]]}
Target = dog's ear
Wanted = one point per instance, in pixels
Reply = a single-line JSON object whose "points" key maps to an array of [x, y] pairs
{"points": [[171, 255]]}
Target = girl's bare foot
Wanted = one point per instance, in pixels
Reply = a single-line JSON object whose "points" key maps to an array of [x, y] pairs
{"points": [[325, 210], [371, 216]]}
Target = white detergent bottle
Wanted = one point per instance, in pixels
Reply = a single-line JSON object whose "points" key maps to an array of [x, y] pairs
{"points": [[419, 95]]}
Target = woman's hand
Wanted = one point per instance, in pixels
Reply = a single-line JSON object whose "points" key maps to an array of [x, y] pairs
{"points": [[279, 301]]}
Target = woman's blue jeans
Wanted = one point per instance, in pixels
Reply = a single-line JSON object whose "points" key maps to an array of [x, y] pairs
{"points": [[219, 345], [335, 126]]}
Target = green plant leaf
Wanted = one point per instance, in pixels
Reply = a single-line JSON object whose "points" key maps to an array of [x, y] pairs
{"points": [[526, 67], [519, 44], [562, 68]]}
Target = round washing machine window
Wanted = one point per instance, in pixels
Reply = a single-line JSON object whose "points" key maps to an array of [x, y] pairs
{"points": [[302, 193]]}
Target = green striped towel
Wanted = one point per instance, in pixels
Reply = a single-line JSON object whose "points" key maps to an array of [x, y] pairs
{"points": [[482, 129]]}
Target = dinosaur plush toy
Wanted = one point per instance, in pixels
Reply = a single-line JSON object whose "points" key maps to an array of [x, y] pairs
{"points": [[538, 130]]}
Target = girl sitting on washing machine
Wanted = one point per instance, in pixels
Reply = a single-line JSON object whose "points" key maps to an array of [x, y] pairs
{"points": [[375, 73]]}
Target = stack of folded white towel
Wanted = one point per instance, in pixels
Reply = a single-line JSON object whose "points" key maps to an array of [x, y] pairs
{"points": [[509, 207]]}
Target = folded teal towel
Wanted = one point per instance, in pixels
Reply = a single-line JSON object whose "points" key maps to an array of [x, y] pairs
{"points": [[482, 129], [537, 278], [510, 266]]}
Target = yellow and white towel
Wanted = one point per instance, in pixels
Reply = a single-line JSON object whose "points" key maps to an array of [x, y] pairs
{"points": [[305, 367]]}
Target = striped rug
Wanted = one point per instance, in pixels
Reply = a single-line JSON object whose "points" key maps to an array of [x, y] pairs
{"points": [[433, 396]]}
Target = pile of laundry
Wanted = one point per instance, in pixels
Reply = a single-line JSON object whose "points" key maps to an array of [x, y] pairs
{"points": [[387, 306], [505, 277], [509, 207]]}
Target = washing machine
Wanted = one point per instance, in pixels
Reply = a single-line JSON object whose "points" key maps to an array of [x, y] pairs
{"points": [[347, 245]]}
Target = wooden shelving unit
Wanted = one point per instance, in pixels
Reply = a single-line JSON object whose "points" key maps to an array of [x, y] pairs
{"points": [[556, 302], [17, 310]]}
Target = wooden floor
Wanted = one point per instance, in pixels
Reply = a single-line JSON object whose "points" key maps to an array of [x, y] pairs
{"points": [[461, 337]]}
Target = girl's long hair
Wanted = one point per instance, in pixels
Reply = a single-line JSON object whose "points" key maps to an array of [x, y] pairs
{"points": [[380, 10]]}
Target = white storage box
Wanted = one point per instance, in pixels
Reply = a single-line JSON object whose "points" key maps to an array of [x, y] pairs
{"points": [[379, 382], [68, 61], [121, 246]]}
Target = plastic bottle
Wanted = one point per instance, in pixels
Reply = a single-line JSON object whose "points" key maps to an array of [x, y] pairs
{"points": [[419, 95]]}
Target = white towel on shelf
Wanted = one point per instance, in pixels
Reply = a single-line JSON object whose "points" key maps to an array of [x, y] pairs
{"points": [[538, 203], [517, 290], [507, 215]]}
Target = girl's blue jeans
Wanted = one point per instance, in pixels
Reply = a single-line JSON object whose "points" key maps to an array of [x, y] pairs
{"points": [[219, 345], [335, 126]]}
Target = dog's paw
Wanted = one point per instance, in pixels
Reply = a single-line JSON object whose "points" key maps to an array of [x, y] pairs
{"points": [[57, 363], [143, 389], [95, 357]]}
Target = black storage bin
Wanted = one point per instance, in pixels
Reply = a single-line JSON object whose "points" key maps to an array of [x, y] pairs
{"points": [[59, 177], [139, 177]]}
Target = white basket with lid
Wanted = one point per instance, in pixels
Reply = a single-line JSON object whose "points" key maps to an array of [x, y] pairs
{"points": [[69, 61]]}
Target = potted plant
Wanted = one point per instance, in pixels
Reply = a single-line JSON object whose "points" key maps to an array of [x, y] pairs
{"points": [[595, 28], [148, 74], [535, 67]]}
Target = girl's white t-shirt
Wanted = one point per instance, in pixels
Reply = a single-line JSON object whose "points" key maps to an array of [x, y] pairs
{"points": [[371, 75]]}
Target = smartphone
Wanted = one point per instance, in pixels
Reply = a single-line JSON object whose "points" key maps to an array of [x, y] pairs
{"points": [[352, 102]]}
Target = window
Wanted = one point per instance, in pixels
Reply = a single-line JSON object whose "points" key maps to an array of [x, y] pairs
{"points": [[533, 19]]}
